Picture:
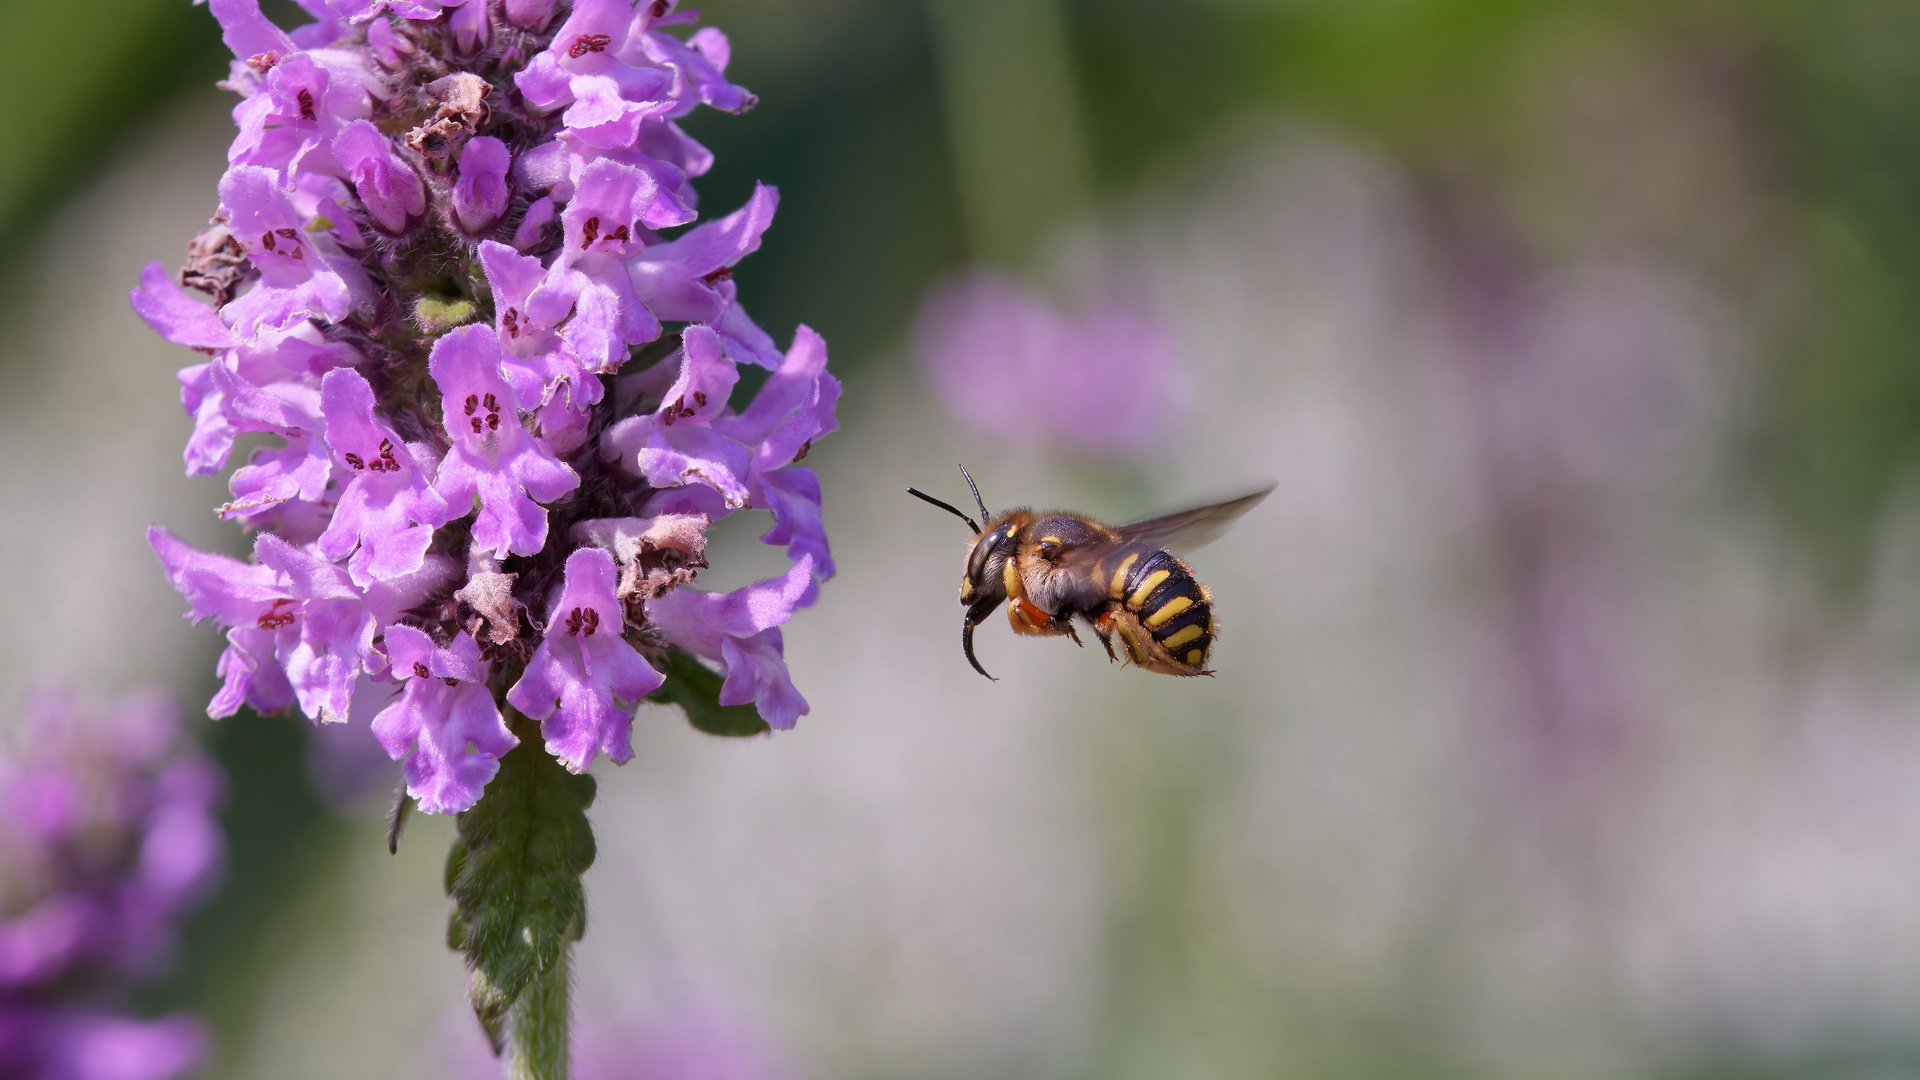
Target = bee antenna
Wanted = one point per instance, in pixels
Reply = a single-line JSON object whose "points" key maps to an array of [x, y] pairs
{"points": [[984, 516], [948, 507]]}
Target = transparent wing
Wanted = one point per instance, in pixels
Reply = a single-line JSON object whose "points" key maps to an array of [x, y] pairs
{"points": [[1190, 529], [1081, 578]]}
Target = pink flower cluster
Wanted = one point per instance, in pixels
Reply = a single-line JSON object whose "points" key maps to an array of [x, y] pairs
{"points": [[498, 395]]}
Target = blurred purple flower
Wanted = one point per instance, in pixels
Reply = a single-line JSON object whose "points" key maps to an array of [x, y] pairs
{"points": [[108, 835], [704, 1045], [1002, 360]]}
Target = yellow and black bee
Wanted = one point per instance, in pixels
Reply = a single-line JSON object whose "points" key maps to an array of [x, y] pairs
{"points": [[1052, 566]]}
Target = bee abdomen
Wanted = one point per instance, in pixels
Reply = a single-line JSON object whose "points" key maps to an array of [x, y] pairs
{"points": [[1174, 608]]}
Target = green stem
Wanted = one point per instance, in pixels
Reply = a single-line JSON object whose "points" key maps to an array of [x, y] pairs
{"points": [[537, 1045]]}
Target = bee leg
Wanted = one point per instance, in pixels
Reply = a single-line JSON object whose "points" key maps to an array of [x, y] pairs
{"points": [[1027, 617], [1103, 628], [980, 610], [1067, 625]]}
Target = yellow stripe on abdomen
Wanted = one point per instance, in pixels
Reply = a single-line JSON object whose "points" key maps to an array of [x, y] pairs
{"points": [[1185, 635], [1146, 587], [1168, 610], [1119, 586]]}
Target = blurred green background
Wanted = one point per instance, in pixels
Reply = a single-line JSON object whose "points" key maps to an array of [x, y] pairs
{"points": [[855, 131], [1766, 153]]}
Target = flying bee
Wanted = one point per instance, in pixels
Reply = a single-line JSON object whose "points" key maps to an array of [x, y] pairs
{"points": [[1121, 579]]}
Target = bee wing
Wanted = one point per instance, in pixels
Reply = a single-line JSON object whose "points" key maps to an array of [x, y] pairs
{"points": [[1085, 584], [1190, 529]]}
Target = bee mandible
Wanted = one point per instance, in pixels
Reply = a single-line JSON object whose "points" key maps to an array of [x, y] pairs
{"points": [[1120, 579]]}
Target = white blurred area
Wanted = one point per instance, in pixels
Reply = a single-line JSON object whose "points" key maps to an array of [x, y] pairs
{"points": [[91, 427], [1524, 757]]}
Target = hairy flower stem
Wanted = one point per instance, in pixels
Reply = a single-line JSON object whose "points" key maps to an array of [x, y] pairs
{"points": [[537, 1047], [518, 903]]}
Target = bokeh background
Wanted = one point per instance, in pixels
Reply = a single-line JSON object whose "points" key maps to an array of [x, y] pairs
{"points": [[1567, 721]]}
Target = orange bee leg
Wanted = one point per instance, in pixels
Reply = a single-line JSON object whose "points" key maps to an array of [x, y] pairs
{"points": [[1103, 628], [1027, 617]]}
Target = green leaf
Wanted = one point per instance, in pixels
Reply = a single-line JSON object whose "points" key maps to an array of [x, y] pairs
{"points": [[696, 690], [514, 876]]}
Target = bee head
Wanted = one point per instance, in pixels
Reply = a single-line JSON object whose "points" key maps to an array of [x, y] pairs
{"points": [[992, 546], [984, 586], [987, 560]]}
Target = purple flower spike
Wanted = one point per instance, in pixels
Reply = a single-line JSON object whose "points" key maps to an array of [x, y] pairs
{"points": [[388, 511], [676, 444], [582, 47], [793, 494], [93, 1045], [334, 628], [337, 622], [530, 14], [384, 181], [699, 65], [249, 34], [584, 669], [480, 195], [795, 407], [739, 629], [302, 104], [174, 315], [603, 214], [535, 357], [493, 456], [298, 279], [688, 278], [253, 600], [533, 226], [445, 726], [285, 406], [473, 492], [362, 10]]}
